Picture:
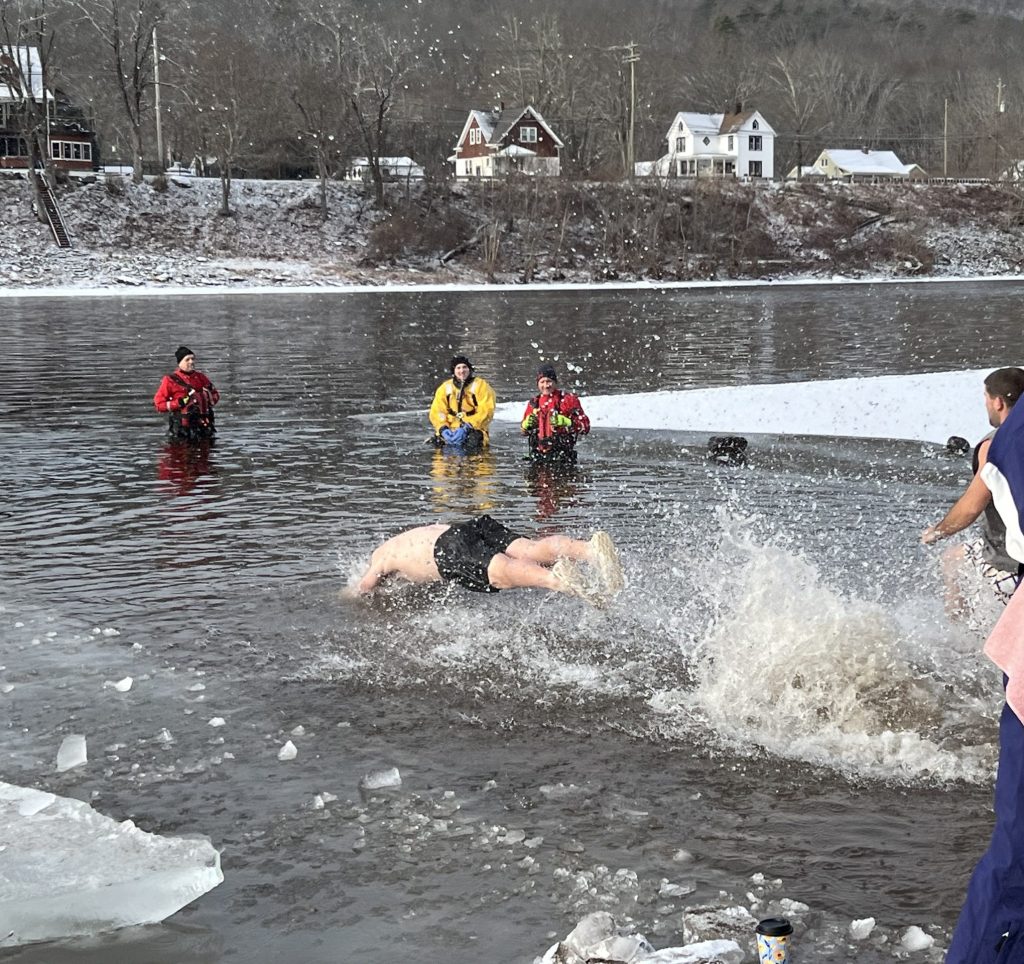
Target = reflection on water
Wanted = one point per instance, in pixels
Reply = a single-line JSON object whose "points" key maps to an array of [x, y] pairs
{"points": [[463, 484], [185, 465], [555, 485]]}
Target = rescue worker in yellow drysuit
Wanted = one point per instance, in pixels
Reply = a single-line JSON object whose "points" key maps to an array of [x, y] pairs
{"points": [[462, 409]]}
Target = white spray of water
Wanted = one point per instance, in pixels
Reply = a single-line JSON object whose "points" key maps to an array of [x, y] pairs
{"points": [[792, 666]]}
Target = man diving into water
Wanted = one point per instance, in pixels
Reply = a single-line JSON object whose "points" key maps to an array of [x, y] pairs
{"points": [[482, 555]]}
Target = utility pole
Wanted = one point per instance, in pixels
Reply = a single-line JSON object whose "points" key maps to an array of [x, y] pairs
{"points": [[631, 58], [156, 104], [1000, 108], [945, 138]]}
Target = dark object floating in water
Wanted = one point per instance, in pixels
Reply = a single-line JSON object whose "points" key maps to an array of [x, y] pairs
{"points": [[727, 449], [955, 445]]}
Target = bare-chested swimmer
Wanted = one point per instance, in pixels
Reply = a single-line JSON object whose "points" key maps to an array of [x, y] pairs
{"points": [[482, 555]]}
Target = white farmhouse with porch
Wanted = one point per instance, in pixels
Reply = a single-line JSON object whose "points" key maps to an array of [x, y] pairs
{"points": [[741, 144]]}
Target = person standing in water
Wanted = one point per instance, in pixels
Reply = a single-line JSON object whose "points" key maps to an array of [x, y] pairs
{"points": [[985, 555], [553, 420], [187, 396], [462, 408]]}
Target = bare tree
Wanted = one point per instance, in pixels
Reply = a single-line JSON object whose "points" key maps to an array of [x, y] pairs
{"points": [[127, 28], [378, 68], [27, 44]]}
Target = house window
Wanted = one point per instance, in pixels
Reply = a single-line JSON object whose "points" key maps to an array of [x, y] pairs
{"points": [[680, 145], [706, 141], [13, 147], [528, 135], [731, 140], [70, 151], [754, 142], [755, 125], [754, 169]]}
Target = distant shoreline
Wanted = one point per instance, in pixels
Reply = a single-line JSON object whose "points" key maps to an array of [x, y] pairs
{"points": [[390, 287]]}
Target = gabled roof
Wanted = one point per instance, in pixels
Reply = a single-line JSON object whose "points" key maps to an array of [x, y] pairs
{"points": [[718, 123], [495, 124], [868, 162], [31, 69], [385, 162], [699, 123]]}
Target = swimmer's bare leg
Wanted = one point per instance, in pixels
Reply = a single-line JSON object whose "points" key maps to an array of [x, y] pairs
{"points": [[548, 550]]}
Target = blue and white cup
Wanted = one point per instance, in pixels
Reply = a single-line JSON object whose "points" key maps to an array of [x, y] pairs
{"points": [[773, 943]]}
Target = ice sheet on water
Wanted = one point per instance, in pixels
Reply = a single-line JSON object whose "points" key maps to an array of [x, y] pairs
{"points": [[70, 871], [883, 406]]}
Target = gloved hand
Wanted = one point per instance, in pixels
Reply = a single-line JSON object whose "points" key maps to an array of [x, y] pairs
{"points": [[558, 420], [454, 436], [530, 422]]}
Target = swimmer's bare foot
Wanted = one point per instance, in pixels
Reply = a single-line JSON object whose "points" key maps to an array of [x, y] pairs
{"points": [[574, 583], [605, 559]]}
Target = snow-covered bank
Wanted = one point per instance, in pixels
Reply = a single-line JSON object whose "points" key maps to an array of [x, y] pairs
{"points": [[172, 237]]}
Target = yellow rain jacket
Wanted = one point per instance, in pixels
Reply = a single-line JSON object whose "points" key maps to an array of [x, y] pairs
{"points": [[475, 400]]}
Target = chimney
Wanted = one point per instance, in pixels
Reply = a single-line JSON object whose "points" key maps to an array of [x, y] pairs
{"points": [[865, 149], [739, 107]]}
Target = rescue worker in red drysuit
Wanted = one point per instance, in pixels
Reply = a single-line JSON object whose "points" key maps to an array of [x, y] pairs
{"points": [[553, 420], [188, 397]]}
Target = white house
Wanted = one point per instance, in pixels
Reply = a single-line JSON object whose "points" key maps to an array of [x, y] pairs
{"points": [[741, 144], [862, 164], [397, 168], [514, 140]]}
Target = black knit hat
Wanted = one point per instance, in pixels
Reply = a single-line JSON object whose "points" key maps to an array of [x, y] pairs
{"points": [[461, 360], [547, 371], [182, 352]]}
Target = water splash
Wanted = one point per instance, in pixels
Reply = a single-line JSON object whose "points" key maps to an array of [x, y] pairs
{"points": [[793, 667]]}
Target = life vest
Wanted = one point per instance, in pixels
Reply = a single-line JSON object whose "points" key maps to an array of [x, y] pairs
{"points": [[460, 393], [196, 419]]}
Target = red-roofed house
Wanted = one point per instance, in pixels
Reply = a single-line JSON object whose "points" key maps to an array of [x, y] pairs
{"points": [[506, 140]]}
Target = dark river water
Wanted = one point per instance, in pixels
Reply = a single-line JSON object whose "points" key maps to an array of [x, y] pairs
{"points": [[774, 710]]}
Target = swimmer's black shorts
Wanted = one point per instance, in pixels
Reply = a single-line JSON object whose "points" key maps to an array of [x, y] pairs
{"points": [[464, 551]]}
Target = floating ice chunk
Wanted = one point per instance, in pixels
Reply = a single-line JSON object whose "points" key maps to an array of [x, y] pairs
{"points": [[288, 751], [915, 939], [861, 929], [300, 730], [216, 721], [122, 685], [379, 779], [72, 752], [110, 631], [70, 871], [7, 688], [720, 952], [33, 801], [164, 736], [327, 797], [197, 687], [675, 890], [596, 938]]}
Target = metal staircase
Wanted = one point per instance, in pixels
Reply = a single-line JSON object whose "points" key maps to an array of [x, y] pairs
{"points": [[52, 211]]}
